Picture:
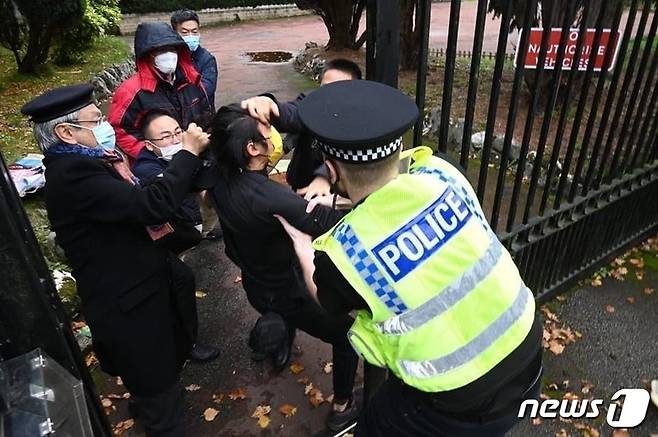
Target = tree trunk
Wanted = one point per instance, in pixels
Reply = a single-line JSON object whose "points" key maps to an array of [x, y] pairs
{"points": [[342, 19], [409, 36]]}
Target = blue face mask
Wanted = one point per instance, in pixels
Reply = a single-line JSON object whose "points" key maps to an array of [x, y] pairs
{"points": [[192, 41], [105, 136]]}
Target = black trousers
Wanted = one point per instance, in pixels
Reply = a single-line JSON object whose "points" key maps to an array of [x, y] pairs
{"points": [[399, 410], [161, 414], [302, 312]]}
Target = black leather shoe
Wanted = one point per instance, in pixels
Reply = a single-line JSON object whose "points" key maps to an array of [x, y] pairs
{"points": [[201, 353], [281, 357]]}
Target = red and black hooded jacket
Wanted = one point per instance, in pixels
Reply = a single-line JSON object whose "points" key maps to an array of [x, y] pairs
{"points": [[186, 99]]}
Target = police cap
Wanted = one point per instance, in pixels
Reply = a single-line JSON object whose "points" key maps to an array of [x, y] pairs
{"points": [[58, 102], [358, 120]]}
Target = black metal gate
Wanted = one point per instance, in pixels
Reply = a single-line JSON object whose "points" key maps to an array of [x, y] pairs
{"points": [[584, 184]]}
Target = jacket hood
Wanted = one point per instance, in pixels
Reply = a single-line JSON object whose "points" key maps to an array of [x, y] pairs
{"points": [[154, 35]]}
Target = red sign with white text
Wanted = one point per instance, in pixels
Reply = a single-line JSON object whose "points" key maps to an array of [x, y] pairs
{"points": [[534, 47]]}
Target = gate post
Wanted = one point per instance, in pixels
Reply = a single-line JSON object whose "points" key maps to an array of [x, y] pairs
{"points": [[382, 65], [31, 314]]}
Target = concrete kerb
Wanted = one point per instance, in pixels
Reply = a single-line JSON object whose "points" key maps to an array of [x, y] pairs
{"points": [[129, 22]]}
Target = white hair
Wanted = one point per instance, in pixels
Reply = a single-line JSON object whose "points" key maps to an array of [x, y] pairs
{"points": [[45, 132]]}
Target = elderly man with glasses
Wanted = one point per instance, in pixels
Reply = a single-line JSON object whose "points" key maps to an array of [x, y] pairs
{"points": [[107, 221]]}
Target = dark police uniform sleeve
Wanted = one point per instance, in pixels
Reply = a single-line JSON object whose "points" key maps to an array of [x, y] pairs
{"points": [[280, 200], [335, 294], [104, 198]]}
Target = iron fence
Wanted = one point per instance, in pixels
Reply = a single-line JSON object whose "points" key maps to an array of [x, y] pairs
{"points": [[582, 183]]}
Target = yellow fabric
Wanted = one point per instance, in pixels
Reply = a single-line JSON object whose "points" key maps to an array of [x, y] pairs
{"points": [[424, 233]]}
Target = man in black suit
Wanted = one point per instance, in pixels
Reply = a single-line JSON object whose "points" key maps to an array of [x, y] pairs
{"points": [[143, 326]]}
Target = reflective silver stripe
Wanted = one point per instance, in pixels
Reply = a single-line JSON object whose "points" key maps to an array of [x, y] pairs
{"points": [[351, 335], [470, 351], [448, 297]]}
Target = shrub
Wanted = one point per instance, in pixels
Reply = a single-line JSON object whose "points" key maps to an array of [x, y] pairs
{"points": [[101, 17]]}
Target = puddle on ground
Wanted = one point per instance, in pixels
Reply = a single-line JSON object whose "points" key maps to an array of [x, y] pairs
{"points": [[270, 57]]}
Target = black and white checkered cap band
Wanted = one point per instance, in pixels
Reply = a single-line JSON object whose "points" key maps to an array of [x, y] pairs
{"points": [[363, 155]]}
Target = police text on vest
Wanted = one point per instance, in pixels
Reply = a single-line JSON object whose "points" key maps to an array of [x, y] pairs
{"points": [[419, 238]]}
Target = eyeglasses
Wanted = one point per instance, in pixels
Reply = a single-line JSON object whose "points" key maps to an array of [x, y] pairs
{"points": [[96, 122], [169, 137]]}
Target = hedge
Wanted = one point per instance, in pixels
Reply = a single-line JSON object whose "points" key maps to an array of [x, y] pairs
{"points": [[145, 6]]}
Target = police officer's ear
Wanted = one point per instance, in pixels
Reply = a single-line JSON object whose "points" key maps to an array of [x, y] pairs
{"points": [[332, 171], [65, 133]]}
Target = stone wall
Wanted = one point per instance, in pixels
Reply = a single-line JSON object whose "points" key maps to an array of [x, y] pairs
{"points": [[212, 16], [108, 80]]}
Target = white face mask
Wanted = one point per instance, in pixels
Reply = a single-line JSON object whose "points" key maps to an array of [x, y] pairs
{"points": [[166, 62], [169, 151]]}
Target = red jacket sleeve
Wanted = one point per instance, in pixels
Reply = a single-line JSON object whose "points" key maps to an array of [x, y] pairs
{"points": [[124, 112]]}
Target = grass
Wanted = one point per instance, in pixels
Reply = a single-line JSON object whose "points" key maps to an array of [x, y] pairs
{"points": [[16, 138], [16, 89]]}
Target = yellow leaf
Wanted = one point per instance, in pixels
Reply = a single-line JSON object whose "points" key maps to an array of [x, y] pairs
{"points": [[192, 387], [263, 421], [261, 410], [596, 282], [200, 294], [296, 368], [209, 414], [287, 410], [106, 403]]}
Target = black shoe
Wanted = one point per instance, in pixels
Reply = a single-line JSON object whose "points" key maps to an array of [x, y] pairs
{"points": [[201, 353], [258, 356], [281, 357], [339, 420]]}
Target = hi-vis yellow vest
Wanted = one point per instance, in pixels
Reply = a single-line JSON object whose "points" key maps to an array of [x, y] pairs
{"points": [[446, 300]]}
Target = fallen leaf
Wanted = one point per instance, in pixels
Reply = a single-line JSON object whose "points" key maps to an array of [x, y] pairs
{"points": [[329, 399], [315, 397], [577, 334], [200, 294], [123, 426], [119, 381], [619, 273], [536, 421], [556, 347], [562, 433], [549, 314], [630, 299], [261, 410], [587, 387], [553, 386], [303, 380], [209, 414], [240, 393], [91, 360], [596, 282], [328, 368], [639, 275], [648, 291], [308, 388], [218, 398], [570, 396], [296, 368], [618, 262], [610, 309], [263, 421], [621, 433], [637, 262], [237, 279], [193, 387], [287, 410], [106, 403], [561, 298]]}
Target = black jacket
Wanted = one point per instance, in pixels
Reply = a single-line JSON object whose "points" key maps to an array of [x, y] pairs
{"points": [[124, 279], [206, 64], [254, 238]]}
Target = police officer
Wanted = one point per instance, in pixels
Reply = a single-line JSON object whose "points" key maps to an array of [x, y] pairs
{"points": [[439, 300], [137, 298]]}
